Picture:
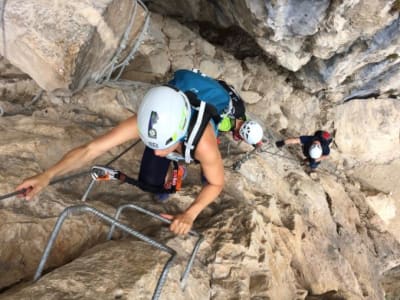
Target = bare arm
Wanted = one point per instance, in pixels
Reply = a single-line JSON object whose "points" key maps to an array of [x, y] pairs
{"points": [[291, 141], [208, 154], [213, 169], [82, 155]]}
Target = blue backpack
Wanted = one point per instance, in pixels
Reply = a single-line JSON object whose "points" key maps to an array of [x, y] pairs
{"points": [[205, 88], [208, 99]]}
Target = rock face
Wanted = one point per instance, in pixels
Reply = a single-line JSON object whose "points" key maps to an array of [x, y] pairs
{"points": [[369, 130], [348, 47], [115, 270], [64, 44], [276, 231]]}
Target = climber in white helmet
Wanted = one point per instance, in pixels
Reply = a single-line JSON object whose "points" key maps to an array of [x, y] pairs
{"points": [[178, 121], [251, 132], [235, 120], [315, 147]]}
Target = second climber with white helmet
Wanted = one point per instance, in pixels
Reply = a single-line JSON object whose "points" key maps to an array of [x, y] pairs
{"points": [[177, 121], [235, 120], [315, 147]]}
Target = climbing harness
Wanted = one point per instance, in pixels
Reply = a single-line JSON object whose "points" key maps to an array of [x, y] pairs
{"points": [[116, 64]]}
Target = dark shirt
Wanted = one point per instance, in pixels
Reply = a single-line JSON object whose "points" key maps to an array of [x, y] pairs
{"points": [[307, 140]]}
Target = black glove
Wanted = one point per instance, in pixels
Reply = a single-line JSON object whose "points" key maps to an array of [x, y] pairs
{"points": [[280, 144]]}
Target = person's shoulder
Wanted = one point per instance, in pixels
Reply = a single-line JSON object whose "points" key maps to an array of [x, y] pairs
{"points": [[306, 138], [207, 148], [325, 148]]}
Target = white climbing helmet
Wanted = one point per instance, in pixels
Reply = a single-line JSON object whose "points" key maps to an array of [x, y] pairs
{"points": [[315, 151], [251, 132], [163, 117]]}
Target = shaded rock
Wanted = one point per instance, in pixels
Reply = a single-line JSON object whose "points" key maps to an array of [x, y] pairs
{"points": [[115, 270], [26, 234], [347, 47], [390, 283]]}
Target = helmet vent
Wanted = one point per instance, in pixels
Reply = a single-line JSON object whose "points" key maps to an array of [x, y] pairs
{"points": [[152, 132], [169, 141]]}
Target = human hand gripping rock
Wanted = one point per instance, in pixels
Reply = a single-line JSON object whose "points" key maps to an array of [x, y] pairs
{"points": [[33, 185], [181, 224]]}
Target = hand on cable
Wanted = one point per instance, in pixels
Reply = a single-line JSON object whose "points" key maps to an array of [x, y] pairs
{"points": [[33, 185], [181, 224], [280, 144]]}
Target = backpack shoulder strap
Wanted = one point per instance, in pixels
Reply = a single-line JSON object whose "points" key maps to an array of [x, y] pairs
{"points": [[236, 107], [203, 112]]}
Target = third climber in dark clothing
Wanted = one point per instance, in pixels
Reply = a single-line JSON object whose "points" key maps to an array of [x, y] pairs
{"points": [[315, 147]]}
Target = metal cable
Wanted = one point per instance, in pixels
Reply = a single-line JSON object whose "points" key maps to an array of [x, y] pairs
{"points": [[107, 72], [84, 208], [37, 97], [125, 37], [238, 164], [131, 54], [122, 153], [248, 155], [280, 155]]}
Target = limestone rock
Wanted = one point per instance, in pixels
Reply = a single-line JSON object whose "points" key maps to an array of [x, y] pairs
{"points": [[276, 231], [63, 45], [369, 129], [124, 269], [350, 47]]}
